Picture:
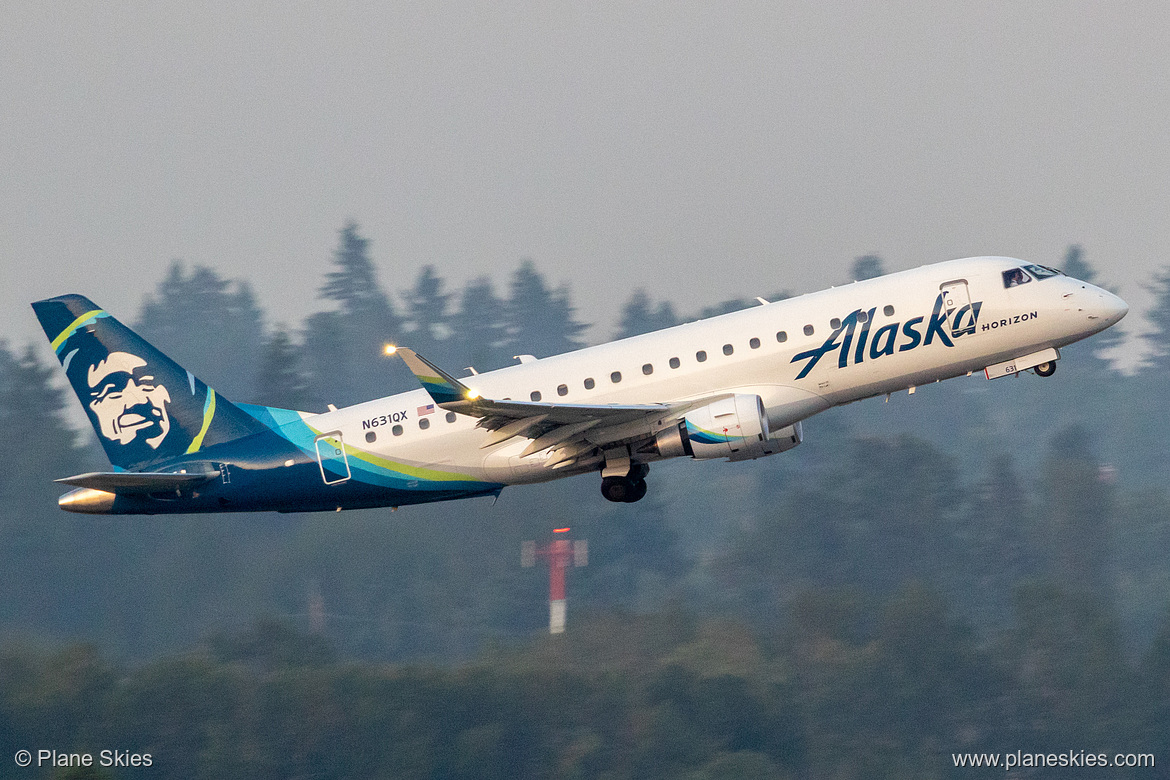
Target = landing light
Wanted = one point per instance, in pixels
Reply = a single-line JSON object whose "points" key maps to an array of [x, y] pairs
{"points": [[472, 395], [390, 349]]}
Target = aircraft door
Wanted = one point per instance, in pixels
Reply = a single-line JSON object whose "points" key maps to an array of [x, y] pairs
{"points": [[956, 302], [331, 458]]}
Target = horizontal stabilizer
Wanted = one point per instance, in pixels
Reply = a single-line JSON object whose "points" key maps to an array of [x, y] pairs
{"points": [[132, 482]]}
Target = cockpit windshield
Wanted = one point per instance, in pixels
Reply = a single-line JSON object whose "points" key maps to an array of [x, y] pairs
{"points": [[1015, 277], [1041, 271]]}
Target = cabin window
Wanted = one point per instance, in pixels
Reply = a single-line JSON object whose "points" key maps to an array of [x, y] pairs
{"points": [[424, 423], [648, 369], [863, 316], [451, 417], [562, 389], [728, 349], [835, 323], [371, 436], [535, 395], [700, 356], [782, 336], [675, 363], [589, 383], [888, 311], [754, 343], [808, 330], [396, 430], [615, 377]]}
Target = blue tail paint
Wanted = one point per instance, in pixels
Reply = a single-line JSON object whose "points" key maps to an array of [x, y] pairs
{"points": [[145, 407]]}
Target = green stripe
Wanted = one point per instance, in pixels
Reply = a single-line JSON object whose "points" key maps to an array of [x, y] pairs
{"points": [[73, 326], [208, 413]]}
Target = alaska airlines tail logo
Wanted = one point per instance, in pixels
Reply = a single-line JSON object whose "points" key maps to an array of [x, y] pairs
{"points": [[945, 324], [127, 402]]}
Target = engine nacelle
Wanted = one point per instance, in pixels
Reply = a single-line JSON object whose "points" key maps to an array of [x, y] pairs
{"points": [[734, 428]]}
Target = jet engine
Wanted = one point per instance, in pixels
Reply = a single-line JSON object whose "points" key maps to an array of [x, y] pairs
{"points": [[735, 427]]}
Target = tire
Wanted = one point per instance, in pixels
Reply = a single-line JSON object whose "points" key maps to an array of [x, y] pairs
{"points": [[637, 492], [1045, 369], [616, 489]]}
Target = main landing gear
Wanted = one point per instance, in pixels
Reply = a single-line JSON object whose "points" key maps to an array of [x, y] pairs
{"points": [[627, 489]]}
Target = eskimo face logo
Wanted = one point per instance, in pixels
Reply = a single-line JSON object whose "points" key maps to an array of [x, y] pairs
{"points": [[944, 324], [127, 402]]}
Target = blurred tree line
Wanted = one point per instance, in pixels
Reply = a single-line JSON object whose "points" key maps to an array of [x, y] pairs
{"points": [[975, 567]]}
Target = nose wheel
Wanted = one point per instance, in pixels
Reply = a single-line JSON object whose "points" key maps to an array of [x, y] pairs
{"points": [[1045, 369]]}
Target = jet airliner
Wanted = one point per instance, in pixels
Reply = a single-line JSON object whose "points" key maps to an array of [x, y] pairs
{"points": [[737, 386]]}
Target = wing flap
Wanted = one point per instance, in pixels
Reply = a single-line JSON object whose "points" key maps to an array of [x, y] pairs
{"points": [[137, 482]]}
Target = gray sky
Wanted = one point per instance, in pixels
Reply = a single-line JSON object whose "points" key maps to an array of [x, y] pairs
{"points": [[701, 150]]}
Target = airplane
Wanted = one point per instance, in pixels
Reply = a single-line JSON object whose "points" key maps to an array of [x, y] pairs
{"points": [[736, 386]]}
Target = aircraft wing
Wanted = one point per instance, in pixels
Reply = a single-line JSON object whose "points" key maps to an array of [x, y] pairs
{"points": [[131, 482], [574, 430]]}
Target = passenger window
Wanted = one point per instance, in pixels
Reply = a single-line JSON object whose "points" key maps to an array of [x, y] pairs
{"points": [[700, 356], [396, 430], [675, 363], [451, 417], [728, 349], [1015, 277], [535, 396], [371, 436], [782, 336], [589, 383], [754, 343], [615, 377], [808, 330], [862, 316], [835, 323], [562, 389], [648, 369], [424, 423], [888, 311]]}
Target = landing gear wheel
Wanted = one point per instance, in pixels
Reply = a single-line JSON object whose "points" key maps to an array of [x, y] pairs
{"points": [[623, 490], [1046, 369]]}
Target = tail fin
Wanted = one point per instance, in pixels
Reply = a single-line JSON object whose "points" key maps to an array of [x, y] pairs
{"points": [[144, 406]]}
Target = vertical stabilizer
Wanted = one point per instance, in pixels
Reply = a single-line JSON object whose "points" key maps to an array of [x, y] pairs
{"points": [[144, 406]]}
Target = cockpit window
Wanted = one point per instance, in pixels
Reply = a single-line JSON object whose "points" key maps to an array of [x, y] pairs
{"points": [[1041, 271], [1015, 277]]}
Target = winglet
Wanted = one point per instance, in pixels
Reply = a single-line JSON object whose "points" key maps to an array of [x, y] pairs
{"points": [[443, 387]]}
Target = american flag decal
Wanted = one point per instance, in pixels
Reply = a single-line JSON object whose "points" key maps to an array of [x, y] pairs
{"points": [[428, 409]]}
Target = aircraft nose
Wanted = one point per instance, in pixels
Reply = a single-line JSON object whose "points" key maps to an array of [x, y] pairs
{"points": [[1111, 307]]}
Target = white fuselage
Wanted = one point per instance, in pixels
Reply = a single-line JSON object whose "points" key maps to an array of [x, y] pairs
{"points": [[898, 337]]}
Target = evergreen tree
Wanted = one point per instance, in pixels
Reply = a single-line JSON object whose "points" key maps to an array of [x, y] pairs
{"points": [[540, 320], [480, 327], [639, 316], [1158, 339], [344, 360], [209, 325], [279, 381], [426, 312], [1079, 508], [867, 267]]}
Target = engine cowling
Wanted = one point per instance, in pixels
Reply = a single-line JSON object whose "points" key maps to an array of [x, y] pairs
{"points": [[735, 428]]}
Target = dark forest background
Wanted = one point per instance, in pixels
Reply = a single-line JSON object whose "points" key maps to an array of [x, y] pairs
{"points": [[981, 566]]}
